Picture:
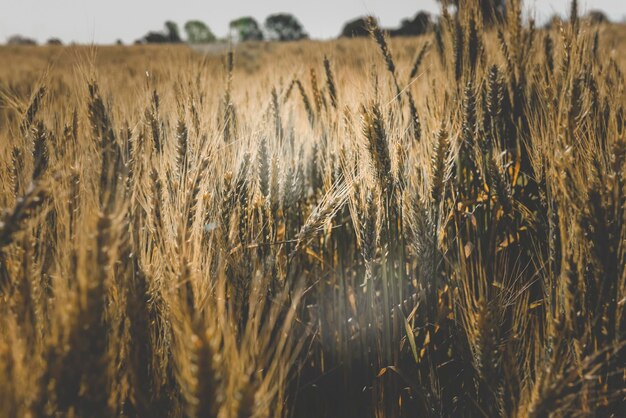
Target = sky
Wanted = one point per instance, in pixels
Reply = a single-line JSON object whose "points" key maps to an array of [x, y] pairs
{"points": [[103, 22]]}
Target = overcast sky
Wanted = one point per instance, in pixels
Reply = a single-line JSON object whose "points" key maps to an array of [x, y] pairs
{"points": [[104, 21]]}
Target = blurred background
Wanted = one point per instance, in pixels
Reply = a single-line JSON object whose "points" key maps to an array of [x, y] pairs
{"points": [[198, 21]]}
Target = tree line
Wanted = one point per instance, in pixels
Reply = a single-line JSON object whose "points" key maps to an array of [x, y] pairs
{"points": [[278, 27], [286, 27]]}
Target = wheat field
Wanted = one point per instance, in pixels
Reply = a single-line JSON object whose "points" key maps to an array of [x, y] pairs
{"points": [[431, 226]]}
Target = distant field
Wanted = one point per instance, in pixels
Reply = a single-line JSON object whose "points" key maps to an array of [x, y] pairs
{"points": [[613, 38], [431, 226]]}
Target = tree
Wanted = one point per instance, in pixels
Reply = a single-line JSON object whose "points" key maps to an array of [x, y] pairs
{"points": [[170, 35], [284, 27], [198, 32], [54, 41], [246, 29], [156, 38], [20, 40], [355, 28], [419, 25], [173, 33], [597, 17]]}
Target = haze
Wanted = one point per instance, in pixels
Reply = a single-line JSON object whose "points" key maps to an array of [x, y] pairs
{"points": [[103, 22]]}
